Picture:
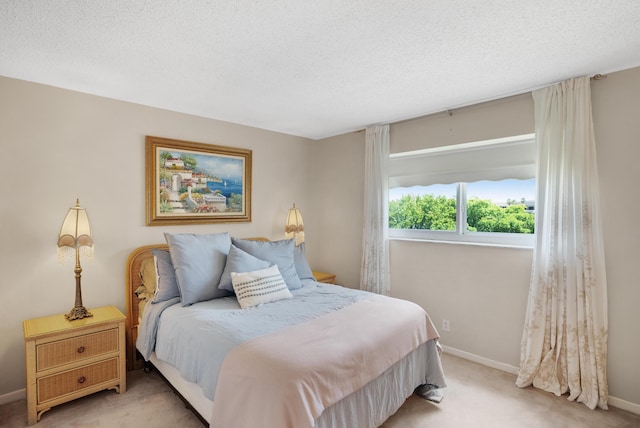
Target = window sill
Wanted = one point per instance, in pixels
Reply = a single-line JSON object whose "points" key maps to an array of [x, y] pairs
{"points": [[502, 242]]}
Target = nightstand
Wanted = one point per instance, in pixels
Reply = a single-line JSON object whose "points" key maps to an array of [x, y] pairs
{"points": [[66, 360], [327, 278]]}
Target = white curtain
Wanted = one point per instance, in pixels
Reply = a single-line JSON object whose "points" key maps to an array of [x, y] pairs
{"points": [[374, 275], [564, 343]]}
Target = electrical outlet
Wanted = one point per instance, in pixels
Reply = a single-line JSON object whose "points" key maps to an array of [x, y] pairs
{"points": [[445, 325]]}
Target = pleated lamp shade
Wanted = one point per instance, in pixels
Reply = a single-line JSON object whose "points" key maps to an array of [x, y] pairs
{"points": [[294, 227]]}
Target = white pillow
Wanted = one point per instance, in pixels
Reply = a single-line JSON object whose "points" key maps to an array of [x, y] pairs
{"points": [[259, 286]]}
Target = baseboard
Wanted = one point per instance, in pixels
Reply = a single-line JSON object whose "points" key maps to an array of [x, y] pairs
{"points": [[481, 360], [10, 397], [613, 401], [624, 405]]}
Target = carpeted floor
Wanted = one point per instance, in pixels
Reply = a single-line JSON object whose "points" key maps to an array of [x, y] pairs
{"points": [[477, 397]]}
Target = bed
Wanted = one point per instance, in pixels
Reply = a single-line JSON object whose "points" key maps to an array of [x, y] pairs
{"points": [[316, 355]]}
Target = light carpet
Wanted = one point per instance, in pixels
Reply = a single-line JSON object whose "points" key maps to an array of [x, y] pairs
{"points": [[477, 396]]}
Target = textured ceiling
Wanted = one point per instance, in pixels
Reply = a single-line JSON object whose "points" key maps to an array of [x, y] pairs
{"points": [[314, 68]]}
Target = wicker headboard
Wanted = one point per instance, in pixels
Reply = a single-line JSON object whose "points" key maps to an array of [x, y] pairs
{"points": [[132, 282]]}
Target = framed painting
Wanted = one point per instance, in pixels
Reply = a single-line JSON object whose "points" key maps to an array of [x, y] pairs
{"points": [[193, 183]]}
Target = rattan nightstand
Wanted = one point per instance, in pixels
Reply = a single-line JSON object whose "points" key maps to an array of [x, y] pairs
{"points": [[327, 278], [66, 360]]}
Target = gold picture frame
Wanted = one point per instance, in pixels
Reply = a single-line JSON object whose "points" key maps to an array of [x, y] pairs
{"points": [[196, 183]]}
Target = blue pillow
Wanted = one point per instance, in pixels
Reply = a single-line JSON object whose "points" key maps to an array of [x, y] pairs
{"points": [[302, 265], [239, 261], [199, 261], [167, 286], [278, 252]]}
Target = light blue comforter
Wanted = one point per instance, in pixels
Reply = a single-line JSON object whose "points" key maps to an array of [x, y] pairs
{"points": [[209, 330]]}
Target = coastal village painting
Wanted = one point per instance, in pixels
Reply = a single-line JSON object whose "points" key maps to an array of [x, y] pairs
{"points": [[196, 181], [193, 183]]}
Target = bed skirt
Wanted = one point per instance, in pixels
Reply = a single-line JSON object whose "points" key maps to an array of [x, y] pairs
{"points": [[368, 407]]}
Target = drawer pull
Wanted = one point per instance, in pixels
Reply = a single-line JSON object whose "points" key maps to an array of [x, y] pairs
{"points": [[82, 379], [81, 350]]}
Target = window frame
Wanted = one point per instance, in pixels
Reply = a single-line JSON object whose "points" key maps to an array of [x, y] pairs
{"points": [[461, 234]]}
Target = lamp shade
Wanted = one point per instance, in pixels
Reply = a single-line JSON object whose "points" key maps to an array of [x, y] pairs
{"points": [[294, 227], [75, 231]]}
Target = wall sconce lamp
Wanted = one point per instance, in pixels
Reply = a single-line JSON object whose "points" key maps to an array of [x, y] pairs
{"points": [[74, 235], [294, 227]]}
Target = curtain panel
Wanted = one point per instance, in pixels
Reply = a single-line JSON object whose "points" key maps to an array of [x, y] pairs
{"points": [[564, 343], [374, 273]]}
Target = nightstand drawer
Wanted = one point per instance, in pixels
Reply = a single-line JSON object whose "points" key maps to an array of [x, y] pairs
{"points": [[61, 352], [60, 384]]}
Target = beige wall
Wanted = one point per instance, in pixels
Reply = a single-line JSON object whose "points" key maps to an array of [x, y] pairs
{"points": [[334, 233], [57, 145], [616, 108], [483, 290]]}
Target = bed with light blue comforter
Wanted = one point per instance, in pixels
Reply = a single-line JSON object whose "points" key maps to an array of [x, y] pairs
{"points": [[211, 329]]}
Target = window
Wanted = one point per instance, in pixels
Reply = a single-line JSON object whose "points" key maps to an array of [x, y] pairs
{"points": [[480, 192]]}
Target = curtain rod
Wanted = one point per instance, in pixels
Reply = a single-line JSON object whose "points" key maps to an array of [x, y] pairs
{"points": [[598, 77], [449, 111]]}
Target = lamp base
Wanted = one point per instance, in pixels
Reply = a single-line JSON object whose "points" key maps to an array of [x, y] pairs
{"points": [[77, 313]]}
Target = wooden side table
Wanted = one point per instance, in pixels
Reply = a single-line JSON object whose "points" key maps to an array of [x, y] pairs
{"points": [[327, 278], [66, 360]]}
